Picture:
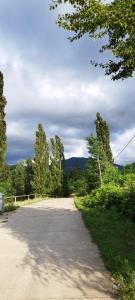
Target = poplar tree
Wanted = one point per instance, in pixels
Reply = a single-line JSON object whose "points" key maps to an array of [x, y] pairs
{"points": [[57, 165], [2, 123], [97, 162], [41, 163], [103, 136]]}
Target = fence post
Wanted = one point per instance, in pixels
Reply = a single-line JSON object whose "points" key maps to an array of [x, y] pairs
{"points": [[15, 199], [28, 197]]}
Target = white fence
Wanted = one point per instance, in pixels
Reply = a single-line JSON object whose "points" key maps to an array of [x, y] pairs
{"points": [[23, 197]]}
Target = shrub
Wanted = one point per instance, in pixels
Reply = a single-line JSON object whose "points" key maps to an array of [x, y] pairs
{"points": [[113, 196], [78, 187]]}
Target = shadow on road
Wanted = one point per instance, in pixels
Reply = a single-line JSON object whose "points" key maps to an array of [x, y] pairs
{"points": [[56, 247]]}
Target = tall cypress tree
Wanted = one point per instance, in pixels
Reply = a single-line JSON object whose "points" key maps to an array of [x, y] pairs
{"points": [[41, 164], [57, 165], [103, 136], [2, 123]]}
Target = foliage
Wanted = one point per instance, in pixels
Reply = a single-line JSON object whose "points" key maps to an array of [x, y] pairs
{"points": [[65, 187], [115, 237], [57, 166], [10, 207], [29, 174], [92, 173], [103, 136], [77, 182], [130, 168], [7, 187], [41, 163], [109, 195], [80, 187], [113, 175], [18, 179], [113, 22], [2, 125], [100, 154], [129, 180], [97, 162], [6, 181]]}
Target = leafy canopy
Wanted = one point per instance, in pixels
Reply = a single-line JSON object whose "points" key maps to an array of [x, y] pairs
{"points": [[112, 20], [103, 136], [57, 165], [41, 162]]}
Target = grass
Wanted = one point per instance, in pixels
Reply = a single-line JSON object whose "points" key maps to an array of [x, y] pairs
{"points": [[115, 237], [11, 206]]}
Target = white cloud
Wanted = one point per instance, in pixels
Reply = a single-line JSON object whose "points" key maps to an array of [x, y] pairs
{"points": [[45, 82], [58, 96], [17, 130]]}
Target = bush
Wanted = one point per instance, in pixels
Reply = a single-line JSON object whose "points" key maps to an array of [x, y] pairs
{"points": [[113, 196], [9, 205], [78, 187], [106, 196]]}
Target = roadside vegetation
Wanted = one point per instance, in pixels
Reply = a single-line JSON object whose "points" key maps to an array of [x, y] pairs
{"points": [[107, 204], [115, 236], [10, 205]]}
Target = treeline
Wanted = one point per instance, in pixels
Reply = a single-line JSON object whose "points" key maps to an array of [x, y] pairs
{"points": [[43, 175], [103, 184]]}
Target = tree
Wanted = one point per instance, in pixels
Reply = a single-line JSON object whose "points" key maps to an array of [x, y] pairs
{"points": [[103, 136], [6, 183], [2, 123], [129, 176], [77, 181], [130, 168], [57, 165], [113, 176], [18, 179], [97, 162], [29, 173], [65, 187], [92, 173], [41, 163], [113, 22]]}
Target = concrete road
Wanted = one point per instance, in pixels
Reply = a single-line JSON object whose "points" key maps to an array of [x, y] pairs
{"points": [[46, 253]]}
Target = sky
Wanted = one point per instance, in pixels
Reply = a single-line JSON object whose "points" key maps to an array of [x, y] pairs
{"points": [[49, 80]]}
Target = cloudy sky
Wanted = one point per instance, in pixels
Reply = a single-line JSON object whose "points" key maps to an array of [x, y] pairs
{"points": [[50, 80]]}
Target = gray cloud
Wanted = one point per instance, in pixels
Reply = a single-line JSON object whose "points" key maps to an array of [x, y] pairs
{"points": [[50, 80]]}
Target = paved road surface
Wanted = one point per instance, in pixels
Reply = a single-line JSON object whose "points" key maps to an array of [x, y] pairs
{"points": [[46, 253]]}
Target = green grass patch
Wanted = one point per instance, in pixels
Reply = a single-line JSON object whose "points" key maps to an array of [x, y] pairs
{"points": [[115, 237], [29, 202], [11, 205]]}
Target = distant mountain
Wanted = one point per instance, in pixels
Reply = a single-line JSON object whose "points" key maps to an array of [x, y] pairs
{"points": [[80, 162], [72, 162]]}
